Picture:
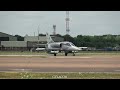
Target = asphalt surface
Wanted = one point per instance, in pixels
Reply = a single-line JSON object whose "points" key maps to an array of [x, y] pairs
{"points": [[60, 63]]}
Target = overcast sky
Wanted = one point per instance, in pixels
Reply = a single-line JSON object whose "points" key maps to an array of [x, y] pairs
{"points": [[81, 22]]}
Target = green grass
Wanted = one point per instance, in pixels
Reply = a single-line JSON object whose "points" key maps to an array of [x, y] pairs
{"points": [[28, 75]]}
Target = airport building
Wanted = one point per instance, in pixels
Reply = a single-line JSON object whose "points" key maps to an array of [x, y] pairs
{"points": [[7, 37], [14, 45], [35, 41], [9, 42]]}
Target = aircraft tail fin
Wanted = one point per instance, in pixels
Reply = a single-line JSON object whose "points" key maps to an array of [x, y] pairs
{"points": [[49, 39]]}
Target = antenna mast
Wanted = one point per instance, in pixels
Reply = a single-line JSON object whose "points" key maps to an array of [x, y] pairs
{"points": [[38, 33], [67, 22], [54, 29]]}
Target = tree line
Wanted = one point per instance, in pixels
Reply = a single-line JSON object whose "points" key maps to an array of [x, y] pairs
{"points": [[97, 41]]}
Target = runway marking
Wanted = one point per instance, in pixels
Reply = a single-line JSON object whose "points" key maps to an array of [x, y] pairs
{"points": [[70, 57], [21, 69], [79, 72], [22, 55], [47, 56], [117, 70]]}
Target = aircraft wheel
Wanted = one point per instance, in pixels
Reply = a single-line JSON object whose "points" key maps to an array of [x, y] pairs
{"points": [[54, 54], [73, 54], [65, 54]]}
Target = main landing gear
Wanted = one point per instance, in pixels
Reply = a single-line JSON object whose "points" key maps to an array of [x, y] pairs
{"points": [[55, 54], [66, 54], [73, 54]]}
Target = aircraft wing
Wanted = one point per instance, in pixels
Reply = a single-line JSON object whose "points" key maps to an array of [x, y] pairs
{"points": [[40, 49]]}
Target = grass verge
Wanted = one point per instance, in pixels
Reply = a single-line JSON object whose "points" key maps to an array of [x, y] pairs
{"points": [[76, 75]]}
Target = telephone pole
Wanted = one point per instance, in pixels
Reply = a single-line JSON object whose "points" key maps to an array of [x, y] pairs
{"points": [[67, 23], [38, 34]]}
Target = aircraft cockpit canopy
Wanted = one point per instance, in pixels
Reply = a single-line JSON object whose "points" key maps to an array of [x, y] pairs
{"points": [[69, 44], [72, 44]]}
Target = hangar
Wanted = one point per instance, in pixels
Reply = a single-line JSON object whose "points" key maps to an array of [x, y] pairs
{"points": [[7, 37], [9, 42], [35, 41]]}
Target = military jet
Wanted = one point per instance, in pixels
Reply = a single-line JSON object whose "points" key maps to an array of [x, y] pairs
{"points": [[56, 47]]}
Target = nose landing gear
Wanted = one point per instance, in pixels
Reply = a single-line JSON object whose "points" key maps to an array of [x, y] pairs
{"points": [[66, 54], [73, 54], [55, 54]]}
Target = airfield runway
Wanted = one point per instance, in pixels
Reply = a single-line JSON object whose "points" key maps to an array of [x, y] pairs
{"points": [[60, 63]]}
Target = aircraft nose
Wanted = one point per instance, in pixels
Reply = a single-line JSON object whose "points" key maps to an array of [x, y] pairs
{"points": [[75, 48]]}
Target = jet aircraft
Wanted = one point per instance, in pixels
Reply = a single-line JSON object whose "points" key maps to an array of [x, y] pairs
{"points": [[56, 47]]}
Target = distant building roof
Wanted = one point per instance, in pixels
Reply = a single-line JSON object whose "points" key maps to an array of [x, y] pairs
{"points": [[1, 34], [14, 43], [7, 37], [35, 38], [42, 38]]}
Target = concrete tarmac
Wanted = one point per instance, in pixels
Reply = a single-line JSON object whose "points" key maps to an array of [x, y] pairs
{"points": [[60, 63]]}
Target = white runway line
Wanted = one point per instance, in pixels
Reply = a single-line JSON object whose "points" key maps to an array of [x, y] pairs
{"points": [[48, 56], [117, 70], [22, 55], [21, 69], [71, 57]]}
